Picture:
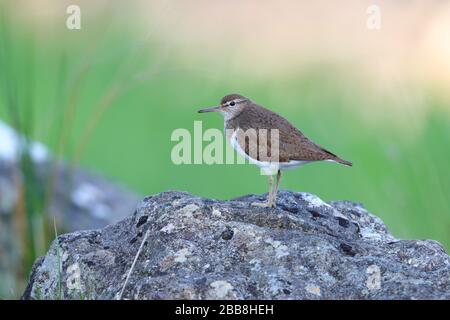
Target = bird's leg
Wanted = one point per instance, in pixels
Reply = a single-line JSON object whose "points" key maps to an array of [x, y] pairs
{"points": [[269, 197], [275, 189]]}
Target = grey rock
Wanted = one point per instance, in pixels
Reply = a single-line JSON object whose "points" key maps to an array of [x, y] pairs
{"points": [[80, 200], [194, 248]]}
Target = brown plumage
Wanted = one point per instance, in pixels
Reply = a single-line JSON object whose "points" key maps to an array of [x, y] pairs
{"points": [[244, 120], [293, 144]]}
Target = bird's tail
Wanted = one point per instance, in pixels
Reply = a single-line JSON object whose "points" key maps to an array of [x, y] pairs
{"points": [[335, 158], [342, 161]]}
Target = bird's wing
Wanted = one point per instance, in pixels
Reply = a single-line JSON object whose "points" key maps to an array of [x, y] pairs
{"points": [[293, 144], [296, 146]]}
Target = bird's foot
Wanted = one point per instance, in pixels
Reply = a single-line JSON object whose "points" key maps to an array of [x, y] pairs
{"points": [[263, 204]]}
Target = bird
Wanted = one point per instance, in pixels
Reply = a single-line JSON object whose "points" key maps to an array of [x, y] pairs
{"points": [[245, 125]]}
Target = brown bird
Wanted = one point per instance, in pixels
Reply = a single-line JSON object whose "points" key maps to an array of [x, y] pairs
{"points": [[267, 140]]}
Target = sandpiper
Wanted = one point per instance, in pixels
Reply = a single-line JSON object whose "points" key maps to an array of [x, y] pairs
{"points": [[246, 122]]}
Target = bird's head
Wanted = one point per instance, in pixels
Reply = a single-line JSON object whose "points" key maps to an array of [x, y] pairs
{"points": [[230, 105]]}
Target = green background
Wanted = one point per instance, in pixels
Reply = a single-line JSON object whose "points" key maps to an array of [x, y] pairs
{"points": [[401, 169]]}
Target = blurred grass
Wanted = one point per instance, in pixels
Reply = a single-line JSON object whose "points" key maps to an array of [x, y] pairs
{"points": [[109, 101], [17, 65]]}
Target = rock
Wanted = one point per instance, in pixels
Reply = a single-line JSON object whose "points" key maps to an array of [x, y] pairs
{"points": [[80, 200], [13, 145], [194, 248]]}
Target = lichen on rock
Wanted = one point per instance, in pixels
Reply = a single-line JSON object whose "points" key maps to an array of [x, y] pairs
{"points": [[208, 249]]}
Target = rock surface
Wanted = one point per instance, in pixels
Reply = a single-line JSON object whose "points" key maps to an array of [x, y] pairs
{"points": [[80, 200], [194, 248]]}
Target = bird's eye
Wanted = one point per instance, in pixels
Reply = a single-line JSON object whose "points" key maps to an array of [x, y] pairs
{"points": [[232, 103]]}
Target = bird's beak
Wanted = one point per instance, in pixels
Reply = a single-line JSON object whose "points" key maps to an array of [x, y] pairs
{"points": [[211, 109]]}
